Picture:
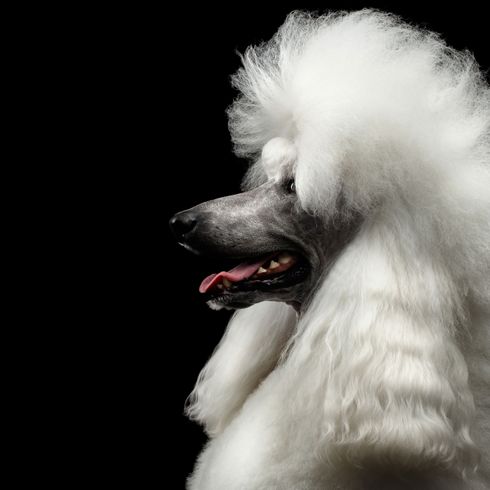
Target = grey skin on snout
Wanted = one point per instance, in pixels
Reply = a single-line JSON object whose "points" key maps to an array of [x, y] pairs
{"points": [[263, 222]]}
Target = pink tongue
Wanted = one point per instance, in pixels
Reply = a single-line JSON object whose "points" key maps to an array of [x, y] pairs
{"points": [[239, 273]]}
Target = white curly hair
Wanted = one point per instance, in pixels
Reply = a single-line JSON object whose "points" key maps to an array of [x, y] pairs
{"points": [[383, 381]]}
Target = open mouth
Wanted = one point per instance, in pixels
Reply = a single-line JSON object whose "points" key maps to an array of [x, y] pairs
{"points": [[269, 272]]}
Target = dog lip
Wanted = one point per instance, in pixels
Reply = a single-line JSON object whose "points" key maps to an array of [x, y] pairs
{"points": [[193, 250], [297, 274], [222, 255], [240, 272]]}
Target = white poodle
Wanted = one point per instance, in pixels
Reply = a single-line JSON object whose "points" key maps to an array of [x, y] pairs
{"points": [[360, 357]]}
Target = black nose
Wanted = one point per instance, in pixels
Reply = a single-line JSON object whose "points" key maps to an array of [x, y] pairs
{"points": [[182, 223]]}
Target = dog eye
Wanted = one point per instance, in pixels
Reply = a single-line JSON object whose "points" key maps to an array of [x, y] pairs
{"points": [[291, 186]]}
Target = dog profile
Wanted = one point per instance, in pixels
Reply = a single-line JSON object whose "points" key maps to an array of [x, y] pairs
{"points": [[359, 357]]}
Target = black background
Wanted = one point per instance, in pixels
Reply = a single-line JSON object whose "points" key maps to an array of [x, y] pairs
{"points": [[195, 163]]}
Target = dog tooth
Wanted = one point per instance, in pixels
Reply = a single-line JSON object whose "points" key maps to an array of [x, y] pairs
{"points": [[220, 286], [226, 282], [274, 264], [284, 258], [261, 270]]}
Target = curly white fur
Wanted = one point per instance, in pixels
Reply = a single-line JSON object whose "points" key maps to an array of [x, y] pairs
{"points": [[389, 366]]}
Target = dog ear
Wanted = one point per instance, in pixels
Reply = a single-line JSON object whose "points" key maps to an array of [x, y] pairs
{"points": [[397, 388], [247, 353]]}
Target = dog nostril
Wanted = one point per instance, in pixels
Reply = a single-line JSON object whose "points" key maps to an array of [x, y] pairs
{"points": [[183, 223]]}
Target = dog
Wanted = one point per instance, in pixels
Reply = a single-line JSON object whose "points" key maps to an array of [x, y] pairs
{"points": [[359, 354]]}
